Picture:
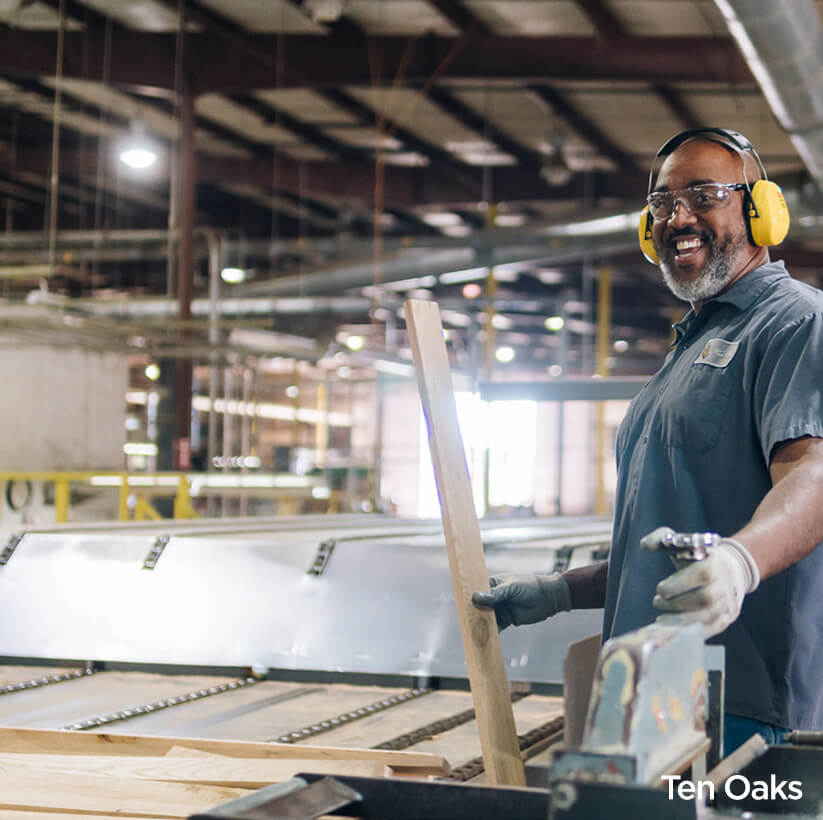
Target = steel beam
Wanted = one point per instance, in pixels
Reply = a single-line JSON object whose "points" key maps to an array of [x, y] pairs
{"points": [[564, 389], [405, 188], [146, 59]]}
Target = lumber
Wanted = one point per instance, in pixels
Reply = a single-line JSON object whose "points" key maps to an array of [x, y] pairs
{"points": [[22, 788], [50, 741], [484, 657], [232, 772]]}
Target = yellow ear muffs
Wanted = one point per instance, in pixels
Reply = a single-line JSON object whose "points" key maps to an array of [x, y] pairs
{"points": [[766, 213], [644, 236]]}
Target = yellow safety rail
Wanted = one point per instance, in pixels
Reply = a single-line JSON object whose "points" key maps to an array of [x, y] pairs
{"points": [[166, 483]]}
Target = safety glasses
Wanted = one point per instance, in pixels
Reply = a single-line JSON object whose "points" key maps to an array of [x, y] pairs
{"points": [[697, 199]]}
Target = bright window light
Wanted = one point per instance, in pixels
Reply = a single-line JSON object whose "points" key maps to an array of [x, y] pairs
{"points": [[233, 275], [504, 354], [512, 451]]}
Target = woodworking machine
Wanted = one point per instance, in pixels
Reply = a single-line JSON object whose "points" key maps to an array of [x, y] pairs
{"points": [[654, 713]]}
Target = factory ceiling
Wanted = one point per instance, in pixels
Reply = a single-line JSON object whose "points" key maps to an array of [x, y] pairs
{"points": [[353, 151]]}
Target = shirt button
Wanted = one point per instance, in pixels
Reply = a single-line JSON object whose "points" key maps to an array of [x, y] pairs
{"points": [[645, 439], [661, 391]]}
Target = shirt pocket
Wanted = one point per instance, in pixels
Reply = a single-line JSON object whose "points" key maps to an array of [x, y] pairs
{"points": [[693, 409]]}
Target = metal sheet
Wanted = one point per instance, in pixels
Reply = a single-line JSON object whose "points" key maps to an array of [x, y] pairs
{"points": [[382, 605]]}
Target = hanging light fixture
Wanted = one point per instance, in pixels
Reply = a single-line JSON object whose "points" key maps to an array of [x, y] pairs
{"points": [[137, 151]]}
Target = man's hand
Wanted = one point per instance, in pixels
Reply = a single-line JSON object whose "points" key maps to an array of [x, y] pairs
{"points": [[709, 591], [526, 598]]}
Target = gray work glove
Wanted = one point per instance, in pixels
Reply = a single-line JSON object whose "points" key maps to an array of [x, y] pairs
{"points": [[711, 591], [524, 598]]}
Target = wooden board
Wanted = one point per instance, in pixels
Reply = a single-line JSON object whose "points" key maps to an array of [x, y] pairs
{"points": [[484, 657], [46, 741], [578, 676], [22, 788], [239, 773]]}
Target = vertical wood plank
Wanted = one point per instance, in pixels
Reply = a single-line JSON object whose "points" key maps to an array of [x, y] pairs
{"points": [[487, 674]]}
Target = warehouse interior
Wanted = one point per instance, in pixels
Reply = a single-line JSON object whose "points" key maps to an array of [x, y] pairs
{"points": [[219, 480]]}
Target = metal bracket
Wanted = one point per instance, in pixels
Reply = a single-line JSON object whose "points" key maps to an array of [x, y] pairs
{"points": [[156, 551], [11, 546], [321, 560], [295, 798]]}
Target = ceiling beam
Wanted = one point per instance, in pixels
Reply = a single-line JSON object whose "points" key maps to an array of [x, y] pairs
{"points": [[142, 59], [405, 188], [460, 17], [585, 128], [604, 21], [677, 106], [607, 24], [436, 155], [455, 107]]}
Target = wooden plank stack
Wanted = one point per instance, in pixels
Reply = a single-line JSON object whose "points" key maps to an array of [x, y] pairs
{"points": [[52, 775]]}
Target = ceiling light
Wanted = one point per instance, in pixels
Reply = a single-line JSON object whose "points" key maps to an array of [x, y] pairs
{"points": [[472, 290], [292, 391], [555, 323], [442, 219], [621, 346], [555, 170], [555, 370], [152, 372], [354, 342], [504, 354], [233, 275], [137, 151]]}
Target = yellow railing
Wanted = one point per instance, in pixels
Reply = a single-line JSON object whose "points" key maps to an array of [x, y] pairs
{"points": [[154, 484]]}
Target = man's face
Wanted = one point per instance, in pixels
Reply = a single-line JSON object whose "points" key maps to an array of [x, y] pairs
{"points": [[702, 254]]}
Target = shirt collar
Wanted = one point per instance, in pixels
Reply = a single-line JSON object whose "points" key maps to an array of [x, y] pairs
{"points": [[742, 294]]}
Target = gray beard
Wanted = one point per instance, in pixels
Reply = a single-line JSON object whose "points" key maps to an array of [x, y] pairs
{"points": [[717, 274]]}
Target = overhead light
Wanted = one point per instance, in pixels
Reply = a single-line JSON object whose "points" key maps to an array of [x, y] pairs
{"points": [[621, 346], [137, 151], [555, 170], [292, 391], [233, 275], [555, 370], [555, 323], [152, 372], [472, 290], [504, 354], [354, 342], [442, 219]]}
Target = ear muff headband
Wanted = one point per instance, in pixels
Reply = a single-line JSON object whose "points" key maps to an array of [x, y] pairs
{"points": [[764, 208]]}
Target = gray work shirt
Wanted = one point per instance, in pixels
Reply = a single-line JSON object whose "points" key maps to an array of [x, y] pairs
{"points": [[693, 454]]}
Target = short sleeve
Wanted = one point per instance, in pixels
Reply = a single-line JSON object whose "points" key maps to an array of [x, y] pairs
{"points": [[788, 391]]}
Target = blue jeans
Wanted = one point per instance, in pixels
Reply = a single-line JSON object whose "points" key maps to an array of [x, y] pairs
{"points": [[737, 730]]}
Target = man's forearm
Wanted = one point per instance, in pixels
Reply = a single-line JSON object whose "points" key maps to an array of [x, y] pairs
{"points": [[588, 585], [788, 523]]}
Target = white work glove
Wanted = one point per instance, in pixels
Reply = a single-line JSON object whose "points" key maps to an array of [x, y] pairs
{"points": [[524, 598], [711, 591]]}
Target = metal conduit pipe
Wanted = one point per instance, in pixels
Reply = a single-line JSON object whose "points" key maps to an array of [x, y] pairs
{"points": [[782, 42]]}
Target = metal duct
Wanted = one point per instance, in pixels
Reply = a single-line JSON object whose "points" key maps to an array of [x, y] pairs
{"points": [[782, 42]]}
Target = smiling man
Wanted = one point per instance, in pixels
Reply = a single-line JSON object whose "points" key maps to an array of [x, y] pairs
{"points": [[727, 437]]}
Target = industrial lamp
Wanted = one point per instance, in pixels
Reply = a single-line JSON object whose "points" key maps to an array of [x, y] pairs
{"points": [[137, 151]]}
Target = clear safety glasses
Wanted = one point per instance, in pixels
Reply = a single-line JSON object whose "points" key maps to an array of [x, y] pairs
{"points": [[697, 199]]}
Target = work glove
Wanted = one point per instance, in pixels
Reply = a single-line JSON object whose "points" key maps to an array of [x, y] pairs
{"points": [[524, 598], [710, 591]]}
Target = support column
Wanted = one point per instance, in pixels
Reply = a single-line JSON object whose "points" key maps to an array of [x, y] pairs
{"points": [[604, 308], [185, 278]]}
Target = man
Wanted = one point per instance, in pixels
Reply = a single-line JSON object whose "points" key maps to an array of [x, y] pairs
{"points": [[726, 437]]}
